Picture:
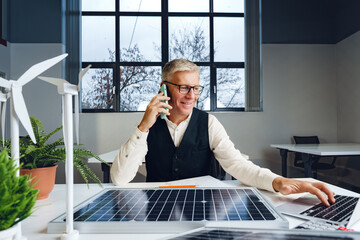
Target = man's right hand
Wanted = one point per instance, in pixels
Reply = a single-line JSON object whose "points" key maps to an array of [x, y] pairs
{"points": [[153, 110]]}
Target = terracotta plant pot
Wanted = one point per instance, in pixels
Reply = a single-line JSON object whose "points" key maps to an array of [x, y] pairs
{"points": [[43, 178]]}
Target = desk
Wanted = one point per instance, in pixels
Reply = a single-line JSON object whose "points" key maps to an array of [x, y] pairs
{"points": [[309, 150], [35, 226]]}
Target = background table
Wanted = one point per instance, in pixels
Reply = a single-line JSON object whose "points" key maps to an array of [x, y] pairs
{"points": [[309, 150], [35, 226], [109, 158]]}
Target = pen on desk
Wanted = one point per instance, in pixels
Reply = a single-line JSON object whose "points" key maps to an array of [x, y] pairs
{"points": [[178, 186]]}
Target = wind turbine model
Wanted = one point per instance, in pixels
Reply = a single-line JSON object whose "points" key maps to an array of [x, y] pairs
{"points": [[3, 99], [68, 90], [18, 110]]}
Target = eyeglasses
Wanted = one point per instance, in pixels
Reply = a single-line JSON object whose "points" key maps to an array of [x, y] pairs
{"points": [[185, 89]]}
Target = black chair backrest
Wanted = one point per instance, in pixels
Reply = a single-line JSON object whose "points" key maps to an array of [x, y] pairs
{"points": [[303, 140], [306, 139], [216, 170]]}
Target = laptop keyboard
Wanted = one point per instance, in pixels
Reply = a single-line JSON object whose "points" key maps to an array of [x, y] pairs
{"points": [[339, 211], [318, 225]]}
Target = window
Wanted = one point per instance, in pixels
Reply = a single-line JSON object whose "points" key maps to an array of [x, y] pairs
{"points": [[127, 42]]}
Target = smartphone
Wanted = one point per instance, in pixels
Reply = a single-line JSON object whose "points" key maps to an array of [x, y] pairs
{"points": [[163, 89]]}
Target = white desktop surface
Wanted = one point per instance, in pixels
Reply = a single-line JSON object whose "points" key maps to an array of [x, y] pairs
{"points": [[323, 149], [35, 226], [107, 157]]}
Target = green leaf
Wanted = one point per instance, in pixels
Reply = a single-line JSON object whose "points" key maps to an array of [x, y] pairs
{"points": [[46, 154], [17, 197]]}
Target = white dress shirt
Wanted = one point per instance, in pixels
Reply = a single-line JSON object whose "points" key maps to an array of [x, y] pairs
{"points": [[132, 154]]}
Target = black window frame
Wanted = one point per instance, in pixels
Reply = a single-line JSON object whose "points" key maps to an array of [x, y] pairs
{"points": [[164, 14], [2, 23]]}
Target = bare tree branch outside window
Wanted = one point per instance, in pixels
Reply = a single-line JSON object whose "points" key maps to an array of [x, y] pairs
{"points": [[138, 84]]}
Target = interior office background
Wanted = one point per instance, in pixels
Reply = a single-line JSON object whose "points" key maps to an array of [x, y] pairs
{"points": [[310, 81]]}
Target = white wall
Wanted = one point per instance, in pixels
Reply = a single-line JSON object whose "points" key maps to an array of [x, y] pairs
{"points": [[348, 75], [348, 85]]}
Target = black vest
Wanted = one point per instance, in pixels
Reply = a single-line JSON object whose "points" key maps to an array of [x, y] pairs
{"points": [[165, 162]]}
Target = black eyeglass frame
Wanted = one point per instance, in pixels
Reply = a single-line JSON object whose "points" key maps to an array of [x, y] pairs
{"points": [[201, 88]]}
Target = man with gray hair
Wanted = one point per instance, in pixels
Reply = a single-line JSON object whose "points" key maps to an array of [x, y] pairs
{"points": [[184, 143]]}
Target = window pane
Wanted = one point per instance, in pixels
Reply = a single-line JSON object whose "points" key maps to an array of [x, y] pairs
{"points": [[96, 89], [204, 98], [229, 6], [230, 87], [229, 39], [96, 5], [140, 5], [138, 85], [189, 38], [98, 39], [140, 39], [188, 6]]}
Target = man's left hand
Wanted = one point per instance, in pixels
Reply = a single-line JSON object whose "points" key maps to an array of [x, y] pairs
{"points": [[288, 186]]}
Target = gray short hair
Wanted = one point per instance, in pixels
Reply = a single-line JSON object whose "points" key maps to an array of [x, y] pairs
{"points": [[178, 65]]}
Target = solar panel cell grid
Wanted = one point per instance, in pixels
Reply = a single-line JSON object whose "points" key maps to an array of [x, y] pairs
{"points": [[175, 205], [238, 235], [169, 210]]}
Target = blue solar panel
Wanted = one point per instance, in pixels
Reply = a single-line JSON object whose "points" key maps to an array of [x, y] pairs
{"points": [[175, 205], [256, 234], [196, 206]]}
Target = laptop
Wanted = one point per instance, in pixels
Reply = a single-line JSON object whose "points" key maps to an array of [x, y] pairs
{"points": [[345, 212]]}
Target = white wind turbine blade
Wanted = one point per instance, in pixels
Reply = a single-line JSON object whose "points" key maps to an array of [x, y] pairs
{"points": [[77, 107], [21, 111], [3, 117], [3, 98], [77, 119], [81, 75], [39, 68], [5, 83], [55, 81]]}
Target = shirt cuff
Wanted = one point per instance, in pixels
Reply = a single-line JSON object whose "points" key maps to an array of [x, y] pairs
{"points": [[268, 180]]}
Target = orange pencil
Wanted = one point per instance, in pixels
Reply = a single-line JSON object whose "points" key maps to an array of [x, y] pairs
{"points": [[179, 186]]}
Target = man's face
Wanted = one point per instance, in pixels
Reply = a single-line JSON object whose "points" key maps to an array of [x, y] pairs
{"points": [[182, 103]]}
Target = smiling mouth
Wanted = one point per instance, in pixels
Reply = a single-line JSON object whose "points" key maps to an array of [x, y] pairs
{"points": [[187, 103]]}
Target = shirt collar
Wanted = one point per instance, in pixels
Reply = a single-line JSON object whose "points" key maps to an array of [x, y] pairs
{"points": [[173, 125]]}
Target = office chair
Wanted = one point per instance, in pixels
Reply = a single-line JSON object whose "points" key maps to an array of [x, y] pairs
{"points": [[218, 172], [315, 159]]}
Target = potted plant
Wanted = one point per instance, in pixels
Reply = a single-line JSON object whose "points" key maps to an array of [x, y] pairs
{"points": [[17, 197], [39, 160]]}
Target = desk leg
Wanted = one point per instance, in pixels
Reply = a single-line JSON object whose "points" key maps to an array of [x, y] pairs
{"points": [[283, 154], [307, 164], [106, 172]]}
